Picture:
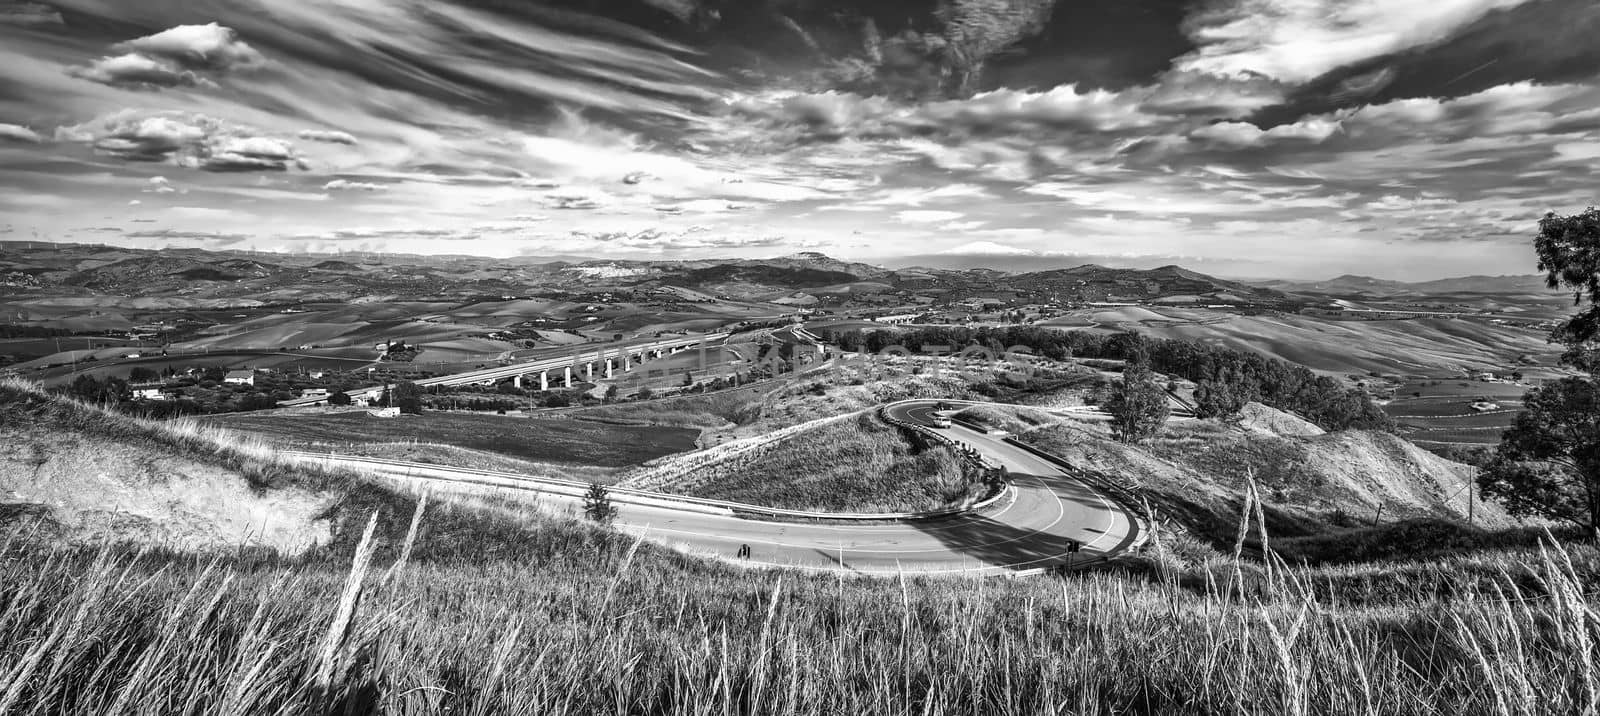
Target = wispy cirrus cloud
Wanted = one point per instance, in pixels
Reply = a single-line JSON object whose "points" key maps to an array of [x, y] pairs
{"points": [[407, 122]]}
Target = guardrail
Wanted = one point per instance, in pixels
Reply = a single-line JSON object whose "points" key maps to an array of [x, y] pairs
{"points": [[999, 488], [1130, 502], [572, 488], [967, 452]]}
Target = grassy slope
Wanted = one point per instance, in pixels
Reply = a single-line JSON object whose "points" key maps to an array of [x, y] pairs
{"points": [[566, 441], [554, 617], [1196, 473], [855, 465], [1341, 347], [82, 472]]}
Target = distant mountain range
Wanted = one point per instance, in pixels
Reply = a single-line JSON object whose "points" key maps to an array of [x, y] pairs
{"points": [[1348, 285], [799, 279]]}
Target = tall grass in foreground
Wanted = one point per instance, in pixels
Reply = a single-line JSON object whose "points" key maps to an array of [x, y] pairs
{"points": [[584, 621]]}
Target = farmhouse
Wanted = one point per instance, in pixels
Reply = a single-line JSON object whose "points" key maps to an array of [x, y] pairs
{"points": [[148, 391], [240, 377], [898, 318]]}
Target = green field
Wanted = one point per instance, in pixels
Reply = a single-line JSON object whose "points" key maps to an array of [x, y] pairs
{"points": [[566, 441], [1405, 347]]}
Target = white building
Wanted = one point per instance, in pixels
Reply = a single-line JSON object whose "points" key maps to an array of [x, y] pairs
{"points": [[240, 377]]}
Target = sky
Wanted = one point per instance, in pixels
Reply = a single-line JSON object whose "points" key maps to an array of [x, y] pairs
{"points": [[1264, 138]]}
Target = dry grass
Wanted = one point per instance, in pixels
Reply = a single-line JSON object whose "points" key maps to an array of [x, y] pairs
{"points": [[855, 464], [1012, 419], [253, 457], [562, 618]]}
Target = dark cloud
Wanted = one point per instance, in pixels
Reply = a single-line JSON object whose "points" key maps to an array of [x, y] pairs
{"points": [[138, 71], [247, 154], [191, 140], [177, 234], [328, 136], [1103, 44], [28, 14], [573, 202], [137, 138]]}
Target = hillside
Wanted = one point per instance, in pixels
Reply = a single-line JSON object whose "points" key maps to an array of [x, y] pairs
{"points": [[1406, 347], [80, 473], [1367, 285], [1099, 283], [1313, 483]]}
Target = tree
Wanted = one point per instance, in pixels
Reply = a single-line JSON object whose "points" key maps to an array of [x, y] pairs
{"points": [[1552, 453], [257, 401], [1548, 463], [645, 393], [611, 392], [1569, 254], [1131, 347], [597, 504], [1138, 406], [141, 374], [340, 398], [405, 395], [86, 387], [1218, 399]]}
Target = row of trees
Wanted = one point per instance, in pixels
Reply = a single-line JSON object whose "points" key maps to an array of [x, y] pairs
{"points": [[1227, 379]]}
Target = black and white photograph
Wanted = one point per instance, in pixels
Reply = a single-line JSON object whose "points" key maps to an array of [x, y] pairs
{"points": [[799, 357]]}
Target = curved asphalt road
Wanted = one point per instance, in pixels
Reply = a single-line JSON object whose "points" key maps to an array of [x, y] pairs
{"points": [[1050, 510]]}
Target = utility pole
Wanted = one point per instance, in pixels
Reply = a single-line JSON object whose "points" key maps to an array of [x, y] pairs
{"points": [[1472, 479]]}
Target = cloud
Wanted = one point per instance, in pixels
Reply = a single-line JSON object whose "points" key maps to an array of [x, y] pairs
{"points": [[190, 140], [926, 216], [160, 185], [244, 154], [178, 57], [958, 226], [347, 185], [573, 202], [207, 47], [138, 71], [133, 137], [180, 234], [25, 14], [917, 196], [1064, 106], [835, 115], [1245, 134], [328, 136], [1298, 40], [662, 240], [988, 248], [19, 133]]}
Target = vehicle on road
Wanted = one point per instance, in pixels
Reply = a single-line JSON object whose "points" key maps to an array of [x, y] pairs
{"points": [[941, 422]]}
